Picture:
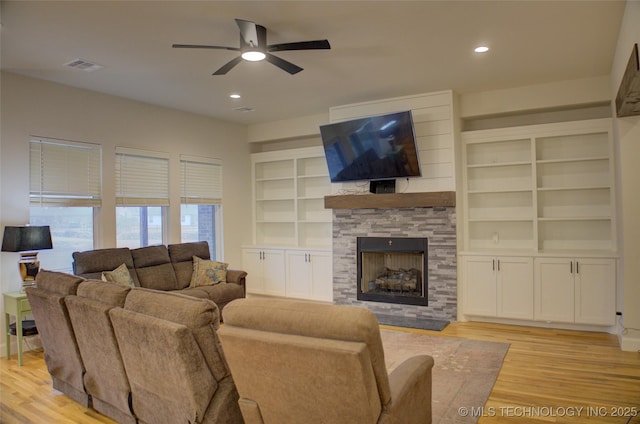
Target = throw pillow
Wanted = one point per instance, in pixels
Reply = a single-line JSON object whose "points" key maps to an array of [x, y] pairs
{"points": [[120, 275], [208, 273]]}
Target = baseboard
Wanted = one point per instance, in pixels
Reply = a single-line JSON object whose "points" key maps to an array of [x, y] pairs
{"points": [[543, 324], [629, 340], [28, 343]]}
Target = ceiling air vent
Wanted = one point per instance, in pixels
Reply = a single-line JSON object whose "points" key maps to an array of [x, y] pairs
{"points": [[243, 109], [83, 65]]}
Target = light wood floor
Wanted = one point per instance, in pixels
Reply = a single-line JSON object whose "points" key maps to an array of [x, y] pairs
{"points": [[547, 376]]}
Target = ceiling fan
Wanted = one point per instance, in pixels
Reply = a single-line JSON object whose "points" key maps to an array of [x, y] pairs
{"points": [[254, 47]]}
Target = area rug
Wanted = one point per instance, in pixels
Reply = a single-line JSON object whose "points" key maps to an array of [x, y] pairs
{"points": [[463, 375]]}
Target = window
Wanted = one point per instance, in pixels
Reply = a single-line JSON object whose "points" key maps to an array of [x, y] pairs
{"points": [[201, 202], [64, 191], [142, 197], [138, 226]]}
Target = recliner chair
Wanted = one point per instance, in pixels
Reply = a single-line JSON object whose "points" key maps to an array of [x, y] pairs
{"points": [[105, 378], [61, 352], [173, 359], [296, 361]]}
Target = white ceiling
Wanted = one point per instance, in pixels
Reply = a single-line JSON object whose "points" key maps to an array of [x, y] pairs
{"points": [[380, 49]]}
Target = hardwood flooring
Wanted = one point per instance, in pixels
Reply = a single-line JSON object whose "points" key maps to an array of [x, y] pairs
{"points": [[547, 376]]}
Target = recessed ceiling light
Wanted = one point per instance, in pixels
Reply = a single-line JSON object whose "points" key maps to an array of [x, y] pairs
{"points": [[234, 96], [481, 49]]}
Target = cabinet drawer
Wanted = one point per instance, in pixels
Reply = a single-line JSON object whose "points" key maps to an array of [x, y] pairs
{"points": [[23, 305]]}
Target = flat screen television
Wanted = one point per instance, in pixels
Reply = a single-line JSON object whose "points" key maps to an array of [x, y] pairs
{"points": [[373, 148]]}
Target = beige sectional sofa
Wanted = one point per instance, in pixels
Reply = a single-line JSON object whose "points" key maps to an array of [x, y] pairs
{"points": [[134, 354], [167, 268]]}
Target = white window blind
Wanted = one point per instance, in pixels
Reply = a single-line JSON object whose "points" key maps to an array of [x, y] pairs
{"points": [[200, 180], [64, 173], [142, 178]]}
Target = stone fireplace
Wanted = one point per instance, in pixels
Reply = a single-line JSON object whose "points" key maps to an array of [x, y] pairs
{"points": [[436, 224]]}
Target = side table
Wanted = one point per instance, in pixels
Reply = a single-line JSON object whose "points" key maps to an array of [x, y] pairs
{"points": [[16, 304]]}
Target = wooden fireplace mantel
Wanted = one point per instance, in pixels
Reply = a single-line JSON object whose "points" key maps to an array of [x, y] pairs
{"points": [[390, 200]]}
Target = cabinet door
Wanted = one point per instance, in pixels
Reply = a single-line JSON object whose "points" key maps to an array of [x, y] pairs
{"points": [[252, 264], [298, 274], [322, 276], [480, 285], [515, 287], [273, 272], [595, 291], [554, 290]]}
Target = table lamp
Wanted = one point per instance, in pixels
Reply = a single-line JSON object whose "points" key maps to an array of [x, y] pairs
{"points": [[27, 240]]}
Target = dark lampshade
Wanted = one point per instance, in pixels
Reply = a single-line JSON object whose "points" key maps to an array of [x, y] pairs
{"points": [[28, 238]]}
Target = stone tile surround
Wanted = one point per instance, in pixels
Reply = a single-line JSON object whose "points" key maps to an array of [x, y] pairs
{"points": [[438, 224]]}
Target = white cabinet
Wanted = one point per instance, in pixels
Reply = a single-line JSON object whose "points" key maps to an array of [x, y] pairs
{"points": [[499, 286], [288, 198], [297, 273], [575, 290], [265, 271], [309, 275]]}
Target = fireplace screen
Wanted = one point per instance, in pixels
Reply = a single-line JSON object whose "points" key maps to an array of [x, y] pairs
{"points": [[392, 270]]}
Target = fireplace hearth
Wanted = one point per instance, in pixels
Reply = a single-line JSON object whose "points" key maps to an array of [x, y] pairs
{"points": [[392, 270]]}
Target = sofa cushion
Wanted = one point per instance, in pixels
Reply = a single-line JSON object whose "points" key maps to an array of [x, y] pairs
{"points": [[110, 294], [182, 254], [208, 273], [120, 275], [58, 282], [222, 293], [91, 263], [153, 267]]}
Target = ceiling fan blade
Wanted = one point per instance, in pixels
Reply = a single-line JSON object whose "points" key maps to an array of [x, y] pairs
{"points": [[228, 66], [198, 46], [283, 64], [301, 45]]}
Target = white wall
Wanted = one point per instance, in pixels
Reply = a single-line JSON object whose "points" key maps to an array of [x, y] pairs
{"points": [[36, 107], [627, 137], [559, 94]]}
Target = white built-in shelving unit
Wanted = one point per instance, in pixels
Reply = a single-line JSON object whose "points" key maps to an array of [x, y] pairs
{"points": [[292, 229], [544, 193], [289, 190]]}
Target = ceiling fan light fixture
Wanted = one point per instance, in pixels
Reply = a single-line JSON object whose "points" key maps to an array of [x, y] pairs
{"points": [[253, 55]]}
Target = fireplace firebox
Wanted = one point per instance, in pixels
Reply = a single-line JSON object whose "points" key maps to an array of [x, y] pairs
{"points": [[392, 270]]}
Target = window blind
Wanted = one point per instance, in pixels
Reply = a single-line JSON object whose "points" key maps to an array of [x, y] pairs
{"points": [[200, 180], [64, 173], [142, 178]]}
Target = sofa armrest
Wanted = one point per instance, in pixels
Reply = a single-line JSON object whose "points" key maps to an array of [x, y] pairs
{"points": [[236, 276], [410, 385]]}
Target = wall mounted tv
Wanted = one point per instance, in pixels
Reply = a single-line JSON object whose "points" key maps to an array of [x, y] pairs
{"points": [[379, 147]]}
